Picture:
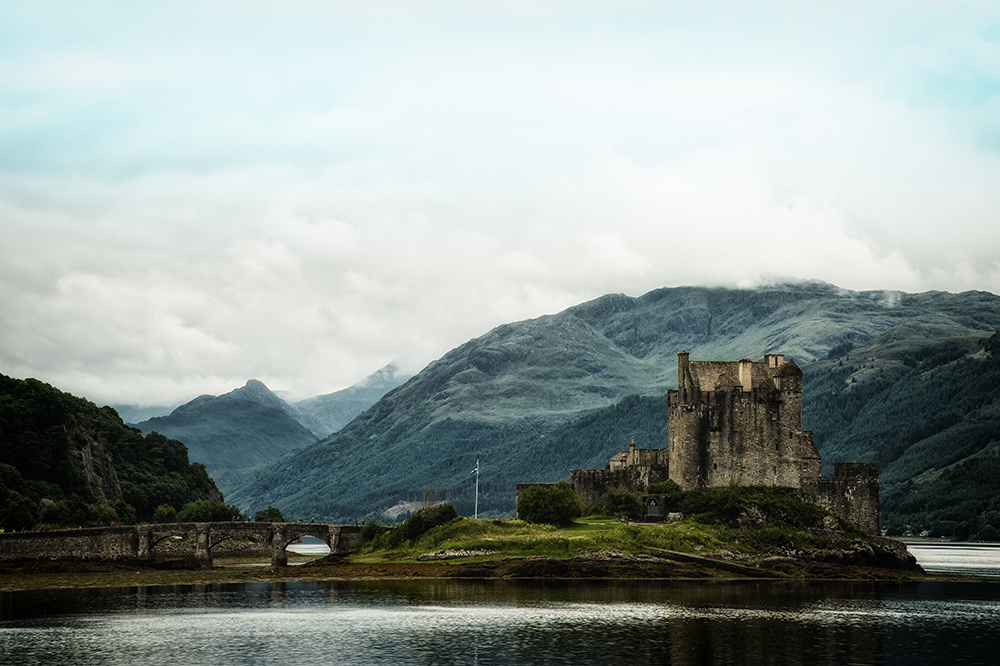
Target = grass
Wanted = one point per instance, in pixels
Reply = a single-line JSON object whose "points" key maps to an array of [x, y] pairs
{"points": [[514, 538], [735, 519]]}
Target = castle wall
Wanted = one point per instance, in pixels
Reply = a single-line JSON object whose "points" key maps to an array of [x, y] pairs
{"points": [[811, 461], [852, 494], [591, 485], [639, 458]]}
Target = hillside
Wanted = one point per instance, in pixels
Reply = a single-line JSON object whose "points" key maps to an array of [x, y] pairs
{"points": [[501, 397], [924, 403], [332, 411], [64, 460], [252, 425], [242, 428]]}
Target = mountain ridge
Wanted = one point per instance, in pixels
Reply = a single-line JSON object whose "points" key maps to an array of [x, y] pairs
{"points": [[523, 379], [252, 425]]}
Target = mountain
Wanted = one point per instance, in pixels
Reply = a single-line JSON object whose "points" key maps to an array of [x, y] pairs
{"points": [[245, 427], [924, 403], [326, 414], [64, 460], [510, 397]]}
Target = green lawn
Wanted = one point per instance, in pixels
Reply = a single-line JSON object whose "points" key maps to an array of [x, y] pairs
{"points": [[514, 538]]}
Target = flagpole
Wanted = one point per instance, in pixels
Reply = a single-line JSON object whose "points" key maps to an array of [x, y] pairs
{"points": [[477, 490]]}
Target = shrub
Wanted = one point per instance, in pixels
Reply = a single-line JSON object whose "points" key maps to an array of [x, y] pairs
{"points": [[371, 531], [411, 529], [622, 503], [428, 518], [776, 506], [105, 513], [668, 487], [556, 504]]}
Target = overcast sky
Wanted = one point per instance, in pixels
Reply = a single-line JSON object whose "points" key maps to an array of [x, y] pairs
{"points": [[196, 193]]}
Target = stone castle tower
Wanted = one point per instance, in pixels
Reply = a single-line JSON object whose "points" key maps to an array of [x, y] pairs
{"points": [[739, 423]]}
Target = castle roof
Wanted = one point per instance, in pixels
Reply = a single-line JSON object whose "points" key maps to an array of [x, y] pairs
{"points": [[788, 369]]}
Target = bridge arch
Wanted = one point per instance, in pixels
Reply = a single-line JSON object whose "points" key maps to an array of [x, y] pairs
{"points": [[286, 533]]}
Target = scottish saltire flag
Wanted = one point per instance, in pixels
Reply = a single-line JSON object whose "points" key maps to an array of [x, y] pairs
{"points": [[474, 469]]}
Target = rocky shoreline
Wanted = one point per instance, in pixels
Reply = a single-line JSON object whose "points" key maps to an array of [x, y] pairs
{"points": [[870, 560]]}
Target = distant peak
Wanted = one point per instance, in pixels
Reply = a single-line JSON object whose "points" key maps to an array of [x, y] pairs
{"points": [[256, 391]]}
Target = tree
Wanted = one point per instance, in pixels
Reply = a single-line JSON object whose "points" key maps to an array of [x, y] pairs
{"points": [[427, 518], [269, 515], [165, 514], [556, 504], [204, 511], [16, 511]]}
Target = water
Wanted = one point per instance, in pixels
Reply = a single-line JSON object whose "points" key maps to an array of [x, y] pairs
{"points": [[505, 622], [974, 559], [309, 545]]}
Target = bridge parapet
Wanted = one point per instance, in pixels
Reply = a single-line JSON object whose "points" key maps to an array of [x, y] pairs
{"points": [[138, 541], [95, 543]]}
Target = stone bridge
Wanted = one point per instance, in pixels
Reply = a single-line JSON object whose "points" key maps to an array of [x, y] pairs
{"points": [[140, 541]]}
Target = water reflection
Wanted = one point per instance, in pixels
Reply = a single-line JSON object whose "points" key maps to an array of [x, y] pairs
{"points": [[504, 622]]}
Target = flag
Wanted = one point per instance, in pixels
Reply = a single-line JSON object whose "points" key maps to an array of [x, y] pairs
{"points": [[474, 470]]}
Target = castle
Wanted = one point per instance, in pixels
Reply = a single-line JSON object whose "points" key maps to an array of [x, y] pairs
{"points": [[739, 423]]}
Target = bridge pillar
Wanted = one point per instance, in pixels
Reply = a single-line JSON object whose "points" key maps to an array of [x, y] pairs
{"points": [[143, 550], [202, 547], [279, 558]]}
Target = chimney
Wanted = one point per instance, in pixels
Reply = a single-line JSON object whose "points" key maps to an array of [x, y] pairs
{"points": [[746, 374], [682, 371]]}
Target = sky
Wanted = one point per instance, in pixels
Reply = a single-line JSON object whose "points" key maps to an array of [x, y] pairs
{"points": [[197, 193]]}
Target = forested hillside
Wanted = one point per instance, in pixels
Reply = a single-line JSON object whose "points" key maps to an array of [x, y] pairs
{"points": [[509, 390], [65, 461], [924, 403]]}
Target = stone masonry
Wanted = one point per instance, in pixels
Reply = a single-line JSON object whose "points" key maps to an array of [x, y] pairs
{"points": [[140, 541], [738, 423]]}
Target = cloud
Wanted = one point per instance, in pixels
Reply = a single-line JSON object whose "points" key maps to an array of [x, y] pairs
{"points": [[303, 193]]}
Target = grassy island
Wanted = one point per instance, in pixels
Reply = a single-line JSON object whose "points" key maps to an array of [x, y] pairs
{"points": [[733, 531], [728, 533]]}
